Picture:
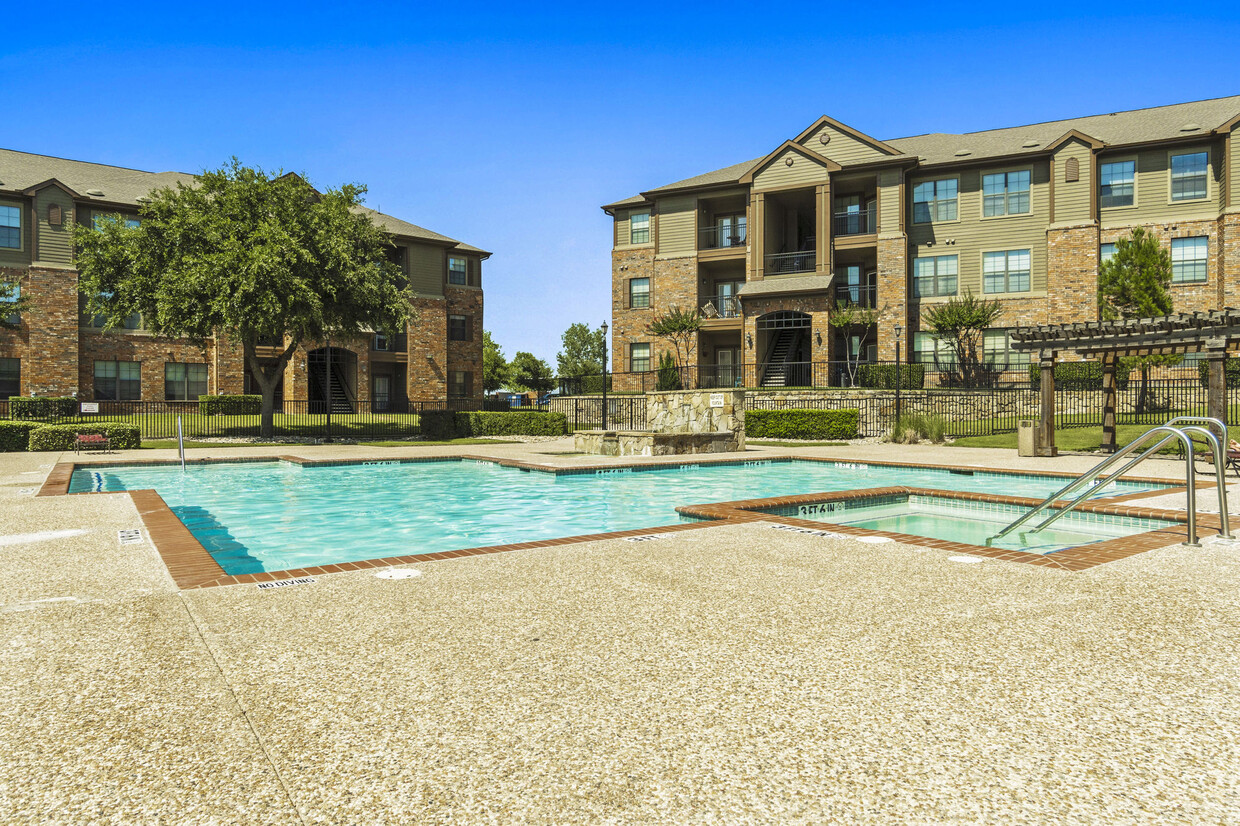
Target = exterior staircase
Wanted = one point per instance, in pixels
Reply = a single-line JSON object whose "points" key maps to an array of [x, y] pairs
{"points": [[340, 400], [776, 372]]}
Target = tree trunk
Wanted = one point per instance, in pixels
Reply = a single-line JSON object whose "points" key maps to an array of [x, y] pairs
{"points": [[268, 377], [1143, 397]]}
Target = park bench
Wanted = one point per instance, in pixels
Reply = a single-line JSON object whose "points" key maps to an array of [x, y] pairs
{"points": [[87, 442]]}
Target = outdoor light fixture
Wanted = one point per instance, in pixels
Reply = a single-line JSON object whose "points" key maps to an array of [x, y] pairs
{"points": [[818, 336], [898, 330], [603, 327], [748, 339]]}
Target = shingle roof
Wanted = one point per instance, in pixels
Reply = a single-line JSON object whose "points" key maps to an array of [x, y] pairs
{"points": [[798, 284], [21, 170], [1118, 128]]}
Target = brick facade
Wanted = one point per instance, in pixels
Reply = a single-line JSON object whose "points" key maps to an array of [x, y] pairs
{"points": [[1072, 255], [673, 282]]}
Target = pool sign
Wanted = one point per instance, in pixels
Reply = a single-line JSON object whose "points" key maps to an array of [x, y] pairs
{"points": [[284, 583], [90, 407], [716, 400]]}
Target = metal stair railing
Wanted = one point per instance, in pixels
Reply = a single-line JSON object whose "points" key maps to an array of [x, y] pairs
{"points": [[1169, 434]]}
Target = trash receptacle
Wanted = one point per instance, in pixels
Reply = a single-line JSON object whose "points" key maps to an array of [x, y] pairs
{"points": [[1027, 437]]}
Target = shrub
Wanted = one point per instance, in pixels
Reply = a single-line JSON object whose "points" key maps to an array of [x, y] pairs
{"points": [[668, 375], [15, 436], [1079, 375], [883, 376], [914, 427], [63, 436], [230, 405], [444, 424], [594, 384], [802, 424], [1231, 372], [51, 407]]}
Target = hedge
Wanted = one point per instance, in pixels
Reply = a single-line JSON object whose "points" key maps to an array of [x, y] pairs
{"points": [[63, 436], [15, 436], [883, 376], [50, 407], [802, 424], [443, 424], [1231, 371], [1079, 375], [230, 405]]}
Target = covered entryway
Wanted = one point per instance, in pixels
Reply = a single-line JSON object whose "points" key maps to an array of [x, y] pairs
{"points": [[342, 387]]}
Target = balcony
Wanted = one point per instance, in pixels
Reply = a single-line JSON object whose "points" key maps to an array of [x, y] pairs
{"points": [[862, 222], [722, 236], [722, 306], [857, 295], [398, 343], [783, 263]]}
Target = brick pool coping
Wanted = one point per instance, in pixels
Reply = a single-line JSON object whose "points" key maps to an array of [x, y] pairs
{"points": [[192, 566]]}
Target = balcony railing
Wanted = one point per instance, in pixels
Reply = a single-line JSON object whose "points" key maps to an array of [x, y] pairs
{"points": [[722, 236], [722, 306], [857, 295], [398, 343], [856, 223], [782, 262]]}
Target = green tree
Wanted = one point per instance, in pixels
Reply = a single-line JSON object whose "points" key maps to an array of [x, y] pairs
{"points": [[851, 318], [248, 256], [584, 353], [494, 365], [528, 372], [680, 327], [1136, 283], [960, 322], [668, 377], [12, 304]]}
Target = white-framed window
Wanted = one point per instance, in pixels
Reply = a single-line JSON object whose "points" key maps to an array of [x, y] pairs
{"points": [[1005, 272], [929, 350], [935, 200], [1005, 193], [10, 377], [10, 227], [458, 271], [184, 382], [639, 293], [1188, 259], [997, 352], [1105, 253], [639, 357], [382, 343], [1116, 184], [118, 380], [1190, 176], [639, 227], [934, 276]]}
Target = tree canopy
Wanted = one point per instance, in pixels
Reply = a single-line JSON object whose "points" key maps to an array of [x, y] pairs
{"points": [[584, 353], [680, 327], [528, 372], [1136, 281], [12, 305], [494, 365], [250, 256], [960, 322]]}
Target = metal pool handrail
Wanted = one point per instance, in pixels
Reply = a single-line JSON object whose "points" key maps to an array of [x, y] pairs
{"points": [[1097, 470], [180, 443]]}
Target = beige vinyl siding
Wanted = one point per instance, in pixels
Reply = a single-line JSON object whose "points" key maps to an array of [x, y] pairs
{"points": [[889, 200], [623, 230], [1153, 188], [1233, 168], [1073, 200], [21, 257], [778, 174], [968, 237], [426, 269], [842, 147], [677, 219], [55, 244]]}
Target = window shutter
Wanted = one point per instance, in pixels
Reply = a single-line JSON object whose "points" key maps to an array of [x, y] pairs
{"points": [[471, 270], [628, 294], [1072, 171]]}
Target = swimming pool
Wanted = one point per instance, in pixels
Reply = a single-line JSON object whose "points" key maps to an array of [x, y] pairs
{"points": [[271, 516]]}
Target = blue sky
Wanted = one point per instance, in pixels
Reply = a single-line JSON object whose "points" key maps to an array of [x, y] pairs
{"points": [[507, 125]]}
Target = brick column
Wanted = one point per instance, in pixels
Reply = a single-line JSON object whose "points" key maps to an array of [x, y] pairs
{"points": [[1046, 429], [50, 363], [1072, 273], [892, 294], [228, 367], [1229, 255]]}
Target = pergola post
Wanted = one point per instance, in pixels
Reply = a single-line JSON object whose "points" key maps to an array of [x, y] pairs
{"points": [[1046, 429], [1216, 390], [1110, 400]]}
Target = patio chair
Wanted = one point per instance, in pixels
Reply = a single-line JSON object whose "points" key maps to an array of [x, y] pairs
{"points": [[87, 442]]}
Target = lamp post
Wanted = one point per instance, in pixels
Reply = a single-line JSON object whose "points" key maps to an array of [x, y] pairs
{"points": [[604, 328], [898, 330]]}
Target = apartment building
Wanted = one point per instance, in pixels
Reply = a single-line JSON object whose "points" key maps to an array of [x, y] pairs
{"points": [[59, 349], [767, 248]]}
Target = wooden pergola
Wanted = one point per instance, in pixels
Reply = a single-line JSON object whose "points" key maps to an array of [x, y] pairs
{"points": [[1212, 333]]}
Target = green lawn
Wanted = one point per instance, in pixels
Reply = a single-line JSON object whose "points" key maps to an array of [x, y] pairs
{"points": [[1076, 438], [164, 425]]}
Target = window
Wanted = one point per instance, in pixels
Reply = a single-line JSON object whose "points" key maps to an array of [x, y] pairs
{"points": [[10, 227], [97, 218], [458, 328], [1105, 253], [12, 298], [133, 321], [460, 383], [639, 228], [382, 343], [639, 358], [1005, 272], [926, 350], [1188, 176], [117, 381], [1005, 193], [458, 271], [1188, 260], [934, 201], [10, 378], [731, 230], [639, 293], [997, 352], [1117, 184], [935, 275], [184, 382]]}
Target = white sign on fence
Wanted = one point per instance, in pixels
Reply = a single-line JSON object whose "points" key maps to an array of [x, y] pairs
{"points": [[716, 400], [90, 407]]}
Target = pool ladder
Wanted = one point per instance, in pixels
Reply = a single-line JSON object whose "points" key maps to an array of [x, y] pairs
{"points": [[1188, 427]]}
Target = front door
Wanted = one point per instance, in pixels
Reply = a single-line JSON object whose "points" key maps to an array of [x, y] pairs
{"points": [[383, 393], [727, 369]]}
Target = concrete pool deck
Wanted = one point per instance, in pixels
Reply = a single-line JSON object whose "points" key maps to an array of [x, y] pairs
{"points": [[733, 673]]}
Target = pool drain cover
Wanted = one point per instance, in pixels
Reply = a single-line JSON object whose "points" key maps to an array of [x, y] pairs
{"points": [[130, 537], [399, 573]]}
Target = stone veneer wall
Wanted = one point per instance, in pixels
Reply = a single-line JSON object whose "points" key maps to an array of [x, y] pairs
{"points": [[892, 282], [690, 411]]}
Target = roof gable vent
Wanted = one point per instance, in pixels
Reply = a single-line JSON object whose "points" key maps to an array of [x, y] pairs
{"points": [[98, 193], [960, 153], [1072, 171], [1190, 127]]}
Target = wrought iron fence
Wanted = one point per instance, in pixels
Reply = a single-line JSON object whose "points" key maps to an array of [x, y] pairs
{"points": [[778, 262], [722, 236], [855, 223], [586, 412]]}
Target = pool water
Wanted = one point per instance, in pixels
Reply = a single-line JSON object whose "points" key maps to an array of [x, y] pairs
{"points": [[270, 516], [974, 523]]}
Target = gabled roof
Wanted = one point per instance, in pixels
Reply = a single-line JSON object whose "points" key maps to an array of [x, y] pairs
{"points": [[822, 121], [787, 146], [30, 190], [23, 172]]}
